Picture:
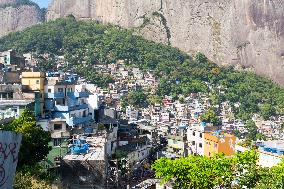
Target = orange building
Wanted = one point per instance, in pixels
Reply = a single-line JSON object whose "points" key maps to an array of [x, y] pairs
{"points": [[219, 142]]}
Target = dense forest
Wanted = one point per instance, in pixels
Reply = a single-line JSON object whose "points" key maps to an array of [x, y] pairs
{"points": [[85, 44]]}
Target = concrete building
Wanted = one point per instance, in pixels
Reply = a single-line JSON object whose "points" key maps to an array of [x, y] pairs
{"points": [[219, 142], [11, 57], [14, 99], [177, 142], [270, 153], [66, 107], [35, 83], [195, 138]]}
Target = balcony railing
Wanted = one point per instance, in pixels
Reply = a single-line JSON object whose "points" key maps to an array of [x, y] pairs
{"points": [[79, 120], [78, 94], [54, 95], [61, 108]]}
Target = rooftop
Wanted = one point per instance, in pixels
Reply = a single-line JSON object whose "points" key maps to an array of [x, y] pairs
{"points": [[96, 150]]}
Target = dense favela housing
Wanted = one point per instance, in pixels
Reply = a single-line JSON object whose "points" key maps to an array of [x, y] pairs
{"points": [[109, 137]]}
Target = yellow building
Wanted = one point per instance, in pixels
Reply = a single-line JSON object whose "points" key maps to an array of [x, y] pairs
{"points": [[219, 142], [35, 83], [34, 80]]}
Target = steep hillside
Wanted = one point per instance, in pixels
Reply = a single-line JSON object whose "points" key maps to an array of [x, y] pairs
{"points": [[16, 15], [86, 44], [249, 32]]}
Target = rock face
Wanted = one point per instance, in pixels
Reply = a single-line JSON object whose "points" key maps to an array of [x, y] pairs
{"points": [[3, 2], [16, 18], [247, 32]]}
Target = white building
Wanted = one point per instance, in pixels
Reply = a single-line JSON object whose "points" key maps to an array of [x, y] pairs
{"points": [[195, 138]]}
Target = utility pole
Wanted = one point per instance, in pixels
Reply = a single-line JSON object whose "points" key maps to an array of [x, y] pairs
{"points": [[128, 176], [106, 164], [117, 176]]}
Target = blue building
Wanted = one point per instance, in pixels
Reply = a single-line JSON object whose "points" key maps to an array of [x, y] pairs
{"points": [[66, 107], [270, 152]]}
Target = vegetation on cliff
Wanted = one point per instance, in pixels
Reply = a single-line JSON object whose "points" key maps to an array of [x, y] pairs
{"points": [[85, 44]]}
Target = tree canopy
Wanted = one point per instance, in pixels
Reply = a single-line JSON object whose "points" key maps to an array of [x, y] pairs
{"points": [[34, 146], [238, 171]]}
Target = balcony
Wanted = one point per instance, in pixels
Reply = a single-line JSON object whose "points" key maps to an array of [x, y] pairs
{"points": [[62, 108], [79, 120], [49, 106], [177, 137], [78, 94], [54, 95]]}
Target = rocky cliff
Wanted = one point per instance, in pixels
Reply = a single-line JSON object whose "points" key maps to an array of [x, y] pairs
{"points": [[249, 32], [3, 2], [16, 17]]}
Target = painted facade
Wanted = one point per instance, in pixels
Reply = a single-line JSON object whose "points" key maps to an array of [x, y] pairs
{"points": [[217, 142], [66, 105], [35, 82]]}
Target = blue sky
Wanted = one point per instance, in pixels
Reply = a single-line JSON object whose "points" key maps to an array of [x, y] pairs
{"points": [[42, 3]]}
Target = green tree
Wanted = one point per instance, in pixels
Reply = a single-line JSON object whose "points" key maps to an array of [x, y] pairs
{"points": [[154, 99], [246, 169], [267, 110], [200, 58], [271, 178], [200, 172], [252, 130], [210, 116], [34, 146], [34, 177], [45, 65], [136, 98], [181, 99]]}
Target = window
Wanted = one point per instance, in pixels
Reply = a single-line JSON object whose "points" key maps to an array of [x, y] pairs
{"points": [[215, 145], [200, 135], [69, 90], [37, 81], [10, 95], [193, 133], [60, 90], [200, 145], [57, 126], [49, 90], [57, 141], [193, 142], [4, 95]]}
